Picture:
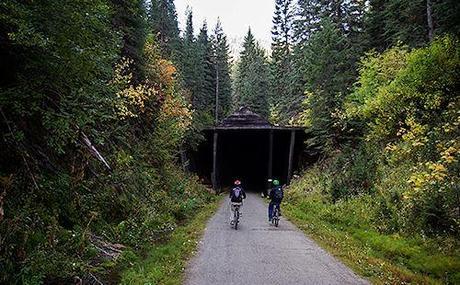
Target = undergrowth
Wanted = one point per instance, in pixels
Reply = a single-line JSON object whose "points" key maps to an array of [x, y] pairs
{"points": [[165, 262], [359, 231]]}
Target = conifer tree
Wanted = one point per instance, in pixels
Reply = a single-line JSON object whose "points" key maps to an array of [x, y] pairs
{"points": [[251, 83], [326, 61], [189, 57], [129, 19], [281, 65], [163, 20], [221, 62], [203, 100], [308, 16], [391, 21]]}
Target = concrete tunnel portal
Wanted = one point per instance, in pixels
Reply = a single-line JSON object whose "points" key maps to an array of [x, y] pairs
{"points": [[247, 147]]}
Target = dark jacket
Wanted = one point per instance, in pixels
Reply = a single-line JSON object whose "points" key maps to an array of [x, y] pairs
{"points": [[272, 195], [240, 198]]}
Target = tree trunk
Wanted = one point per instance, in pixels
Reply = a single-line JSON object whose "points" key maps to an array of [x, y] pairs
{"points": [[429, 15]]}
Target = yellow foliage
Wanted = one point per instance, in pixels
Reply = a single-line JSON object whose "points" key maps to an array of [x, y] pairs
{"points": [[131, 99]]}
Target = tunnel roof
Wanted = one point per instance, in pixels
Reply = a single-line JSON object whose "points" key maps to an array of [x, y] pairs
{"points": [[245, 118]]}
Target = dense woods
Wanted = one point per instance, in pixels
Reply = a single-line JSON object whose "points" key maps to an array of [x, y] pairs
{"points": [[100, 99]]}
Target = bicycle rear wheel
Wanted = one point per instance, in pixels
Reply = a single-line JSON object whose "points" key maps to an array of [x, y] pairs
{"points": [[276, 217], [237, 218]]}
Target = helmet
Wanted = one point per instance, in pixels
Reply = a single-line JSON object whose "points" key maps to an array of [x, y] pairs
{"points": [[237, 182], [276, 182]]}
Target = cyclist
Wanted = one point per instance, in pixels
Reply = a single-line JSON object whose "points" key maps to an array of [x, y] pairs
{"points": [[236, 196], [276, 196]]}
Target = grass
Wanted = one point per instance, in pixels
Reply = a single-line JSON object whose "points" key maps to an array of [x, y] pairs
{"points": [[165, 263], [344, 230], [350, 229]]}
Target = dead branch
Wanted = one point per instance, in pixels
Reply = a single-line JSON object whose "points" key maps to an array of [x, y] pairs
{"points": [[93, 150]]}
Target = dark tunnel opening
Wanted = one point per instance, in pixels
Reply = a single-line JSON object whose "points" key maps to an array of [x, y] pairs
{"points": [[244, 154]]}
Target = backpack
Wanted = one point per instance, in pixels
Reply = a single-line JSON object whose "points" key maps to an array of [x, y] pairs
{"points": [[278, 193], [236, 194]]}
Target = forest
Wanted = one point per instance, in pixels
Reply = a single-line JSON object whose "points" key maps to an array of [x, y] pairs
{"points": [[101, 100]]}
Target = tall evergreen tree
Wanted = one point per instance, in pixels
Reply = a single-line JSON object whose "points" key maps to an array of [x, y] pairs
{"points": [[406, 21], [326, 61], [412, 22], [222, 62], [163, 20], [347, 15], [375, 30], [281, 65], [308, 16], [203, 100], [129, 18], [251, 83], [189, 56]]}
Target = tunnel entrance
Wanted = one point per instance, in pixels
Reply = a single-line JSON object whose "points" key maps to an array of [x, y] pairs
{"points": [[247, 147], [243, 155]]}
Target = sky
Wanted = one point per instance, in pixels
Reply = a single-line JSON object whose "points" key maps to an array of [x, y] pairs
{"points": [[236, 17]]}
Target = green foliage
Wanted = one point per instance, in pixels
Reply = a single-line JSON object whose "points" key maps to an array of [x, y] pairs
{"points": [[407, 103], [205, 58], [163, 22], [326, 65], [165, 262], [92, 121], [130, 20], [251, 85], [282, 101], [351, 230], [204, 101], [390, 22]]}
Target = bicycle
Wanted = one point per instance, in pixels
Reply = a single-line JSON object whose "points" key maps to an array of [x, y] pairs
{"points": [[236, 214], [276, 216]]}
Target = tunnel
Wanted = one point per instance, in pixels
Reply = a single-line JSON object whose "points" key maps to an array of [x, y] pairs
{"points": [[248, 148]]}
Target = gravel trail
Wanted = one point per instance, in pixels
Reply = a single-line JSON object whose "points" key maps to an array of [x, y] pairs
{"points": [[258, 253]]}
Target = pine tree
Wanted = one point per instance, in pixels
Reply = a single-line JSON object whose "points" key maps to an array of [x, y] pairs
{"points": [[221, 62], [326, 61], [251, 83], [406, 21], [391, 21], [308, 16], [203, 100], [189, 57], [375, 30], [163, 20], [446, 17], [129, 18], [281, 65], [347, 15]]}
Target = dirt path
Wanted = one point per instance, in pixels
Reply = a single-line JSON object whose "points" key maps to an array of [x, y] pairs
{"points": [[261, 254]]}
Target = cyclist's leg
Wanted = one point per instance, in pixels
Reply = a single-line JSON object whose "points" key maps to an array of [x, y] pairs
{"points": [[232, 212], [270, 211], [278, 205]]}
